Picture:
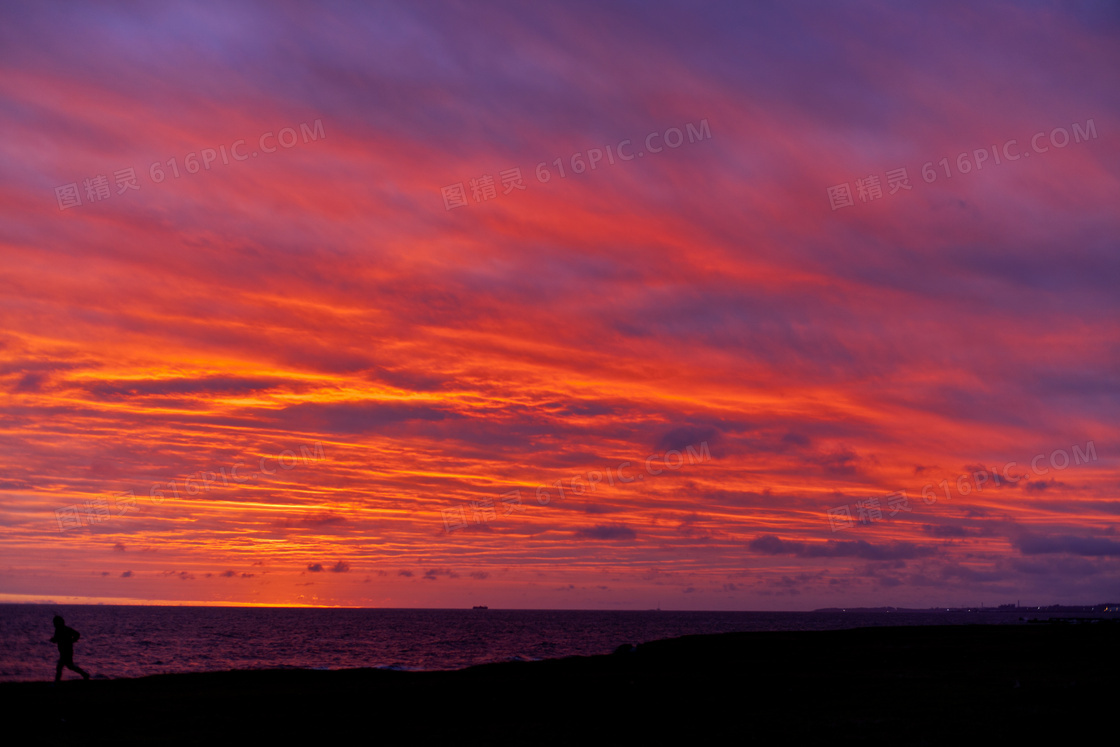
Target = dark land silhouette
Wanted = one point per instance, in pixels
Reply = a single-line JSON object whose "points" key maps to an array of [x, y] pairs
{"points": [[886, 685]]}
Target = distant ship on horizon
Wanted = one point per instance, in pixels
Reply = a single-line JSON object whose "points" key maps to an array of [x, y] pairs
{"points": [[480, 607]]}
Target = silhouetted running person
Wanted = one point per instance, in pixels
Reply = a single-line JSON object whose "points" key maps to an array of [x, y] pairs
{"points": [[65, 638]]}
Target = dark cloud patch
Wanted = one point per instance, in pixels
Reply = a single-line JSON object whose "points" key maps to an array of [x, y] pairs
{"points": [[340, 567], [794, 584], [687, 524], [30, 383], [227, 574], [582, 409], [1076, 567], [513, 429], [126, 574], [958, 572], [764, 498], [409, 380], [405, 573], [685, 436], [481, 528], [775, 442], [840, 463], [315, 567], [324, 359], [1079, 507], [598, 508], [105, 470], [607, 532], [31, 376], [118, 547], [1041, 486], [769, 544], [986, 478], [480, 575], [178, 387], [946, 530], [796, 439], [433, 574], [315, 521], [1102, 383], [361, 417], [1036, 544]]}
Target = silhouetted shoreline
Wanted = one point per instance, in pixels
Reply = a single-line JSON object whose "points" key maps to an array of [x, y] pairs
{"points": [[137, 641], [905, 685]]}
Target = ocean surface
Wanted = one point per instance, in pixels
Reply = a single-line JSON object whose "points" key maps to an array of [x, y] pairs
{"points": [[125, 641]]}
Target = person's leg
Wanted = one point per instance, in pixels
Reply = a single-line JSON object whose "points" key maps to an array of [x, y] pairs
{"points": [[58, 671], [75, 668]]}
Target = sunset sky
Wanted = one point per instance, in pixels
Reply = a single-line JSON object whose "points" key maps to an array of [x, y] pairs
{"points": [[271, 270]]}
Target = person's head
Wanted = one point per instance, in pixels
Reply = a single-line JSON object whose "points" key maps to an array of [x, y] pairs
{"points": [[58, 621]]}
